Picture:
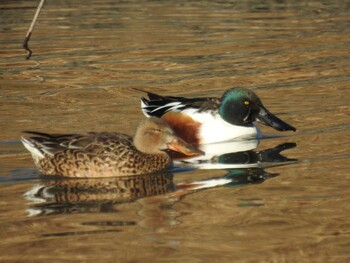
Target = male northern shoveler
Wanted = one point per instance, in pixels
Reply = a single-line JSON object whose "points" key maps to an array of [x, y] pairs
{"points": [[209, 120], [107, 154]]}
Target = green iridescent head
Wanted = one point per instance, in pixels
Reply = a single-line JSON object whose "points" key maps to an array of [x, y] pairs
{"points": [[242, 107]]}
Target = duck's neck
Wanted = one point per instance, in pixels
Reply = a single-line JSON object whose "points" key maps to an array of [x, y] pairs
{"points": [[152, 160]]}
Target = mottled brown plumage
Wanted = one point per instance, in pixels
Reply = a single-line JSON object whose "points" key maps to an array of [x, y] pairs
{"points": [[107, 154]]}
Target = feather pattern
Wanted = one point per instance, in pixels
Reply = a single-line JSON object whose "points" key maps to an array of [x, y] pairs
{"points": [[199, 121], [157, 105], [106, 154]]}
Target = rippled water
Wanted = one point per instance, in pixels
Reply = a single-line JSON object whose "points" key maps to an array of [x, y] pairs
{"points": [[283, 199]]}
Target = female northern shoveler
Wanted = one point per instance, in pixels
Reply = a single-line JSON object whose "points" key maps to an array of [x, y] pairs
{"points": [[107, 154], [210, 120]]}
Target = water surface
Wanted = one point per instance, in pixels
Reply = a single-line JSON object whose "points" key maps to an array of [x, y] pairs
{"points": [[89, 57]]}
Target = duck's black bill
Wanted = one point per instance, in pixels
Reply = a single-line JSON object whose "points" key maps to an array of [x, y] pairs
{"points": [[267, 118]]}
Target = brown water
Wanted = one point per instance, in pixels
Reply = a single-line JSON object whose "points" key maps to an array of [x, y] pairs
{"points": [[88, 58]]}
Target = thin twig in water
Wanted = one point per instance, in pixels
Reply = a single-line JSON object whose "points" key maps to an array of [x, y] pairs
{"points": [[30, 30]]}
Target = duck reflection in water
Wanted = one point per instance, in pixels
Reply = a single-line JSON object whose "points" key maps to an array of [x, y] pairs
{"points": [[235, 154], [68, 195]]}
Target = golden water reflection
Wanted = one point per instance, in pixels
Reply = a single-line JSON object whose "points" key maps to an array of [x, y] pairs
{"points": [[88, 58]]}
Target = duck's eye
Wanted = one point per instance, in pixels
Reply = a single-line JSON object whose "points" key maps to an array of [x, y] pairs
{"points": [[157, 130], [246, 102], [152, 132]]}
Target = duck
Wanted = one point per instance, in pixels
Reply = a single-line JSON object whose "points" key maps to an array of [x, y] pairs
{"points": [[107, 154], [210, 120]]}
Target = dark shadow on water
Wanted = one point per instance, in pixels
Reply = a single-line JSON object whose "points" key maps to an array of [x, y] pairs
{"points": [[102, 195], [232, 158], [265, 157]]}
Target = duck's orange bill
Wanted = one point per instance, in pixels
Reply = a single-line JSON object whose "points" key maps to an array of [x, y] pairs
{"points": [[181, 146]]}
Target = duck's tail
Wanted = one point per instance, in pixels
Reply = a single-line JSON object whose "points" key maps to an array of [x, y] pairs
{"points": [[33, 148], [156, 105], [40, 145]]}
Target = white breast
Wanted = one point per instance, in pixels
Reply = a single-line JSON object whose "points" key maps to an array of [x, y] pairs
{"points": [[214, 129]]}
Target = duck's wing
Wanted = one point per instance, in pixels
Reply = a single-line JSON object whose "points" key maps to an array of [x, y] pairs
{"points": [[156, 105], [96, 143]]}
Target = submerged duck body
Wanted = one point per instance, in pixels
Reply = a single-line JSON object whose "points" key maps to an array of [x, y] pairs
{"points": [[211, 120], [107, 154]]}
